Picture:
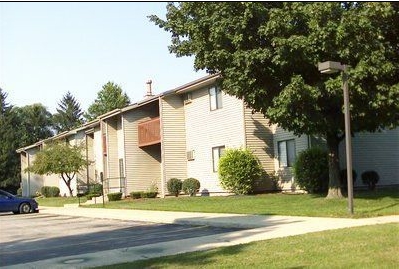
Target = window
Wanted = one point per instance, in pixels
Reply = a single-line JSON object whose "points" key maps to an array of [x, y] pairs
{"points": [[187, 98], [286, 153], [217, 152], [190, 155], [215, 98], [105, 144]]}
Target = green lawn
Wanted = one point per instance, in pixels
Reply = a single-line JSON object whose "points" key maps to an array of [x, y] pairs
{"points": [[366, 204], [59, 201], [361, 247]]}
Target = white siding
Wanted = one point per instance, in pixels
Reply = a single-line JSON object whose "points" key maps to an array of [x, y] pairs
{"points": [[206, 129], [375, 151]]}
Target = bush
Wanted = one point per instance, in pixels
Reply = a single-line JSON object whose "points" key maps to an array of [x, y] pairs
{"points": [[143, 194], [239, 169], [19, 192], [311, 170], [191, 186], [50, 191], [116, 196], [174, 186], [95, 190], [136, 194], [370, 178], [343, 178], [149, 194]]}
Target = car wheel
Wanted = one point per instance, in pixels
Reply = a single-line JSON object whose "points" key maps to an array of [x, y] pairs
{"points": [[24, 208]]}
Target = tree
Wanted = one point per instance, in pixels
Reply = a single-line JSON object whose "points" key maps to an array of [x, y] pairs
{"points": [[9, 159], [109, 98], [267, 54], [35, 124], [69, 114], [59, 158], [19, 127]]}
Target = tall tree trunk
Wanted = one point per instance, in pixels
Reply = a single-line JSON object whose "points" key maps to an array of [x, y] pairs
{"points": [[68, 182], [334, 186]]}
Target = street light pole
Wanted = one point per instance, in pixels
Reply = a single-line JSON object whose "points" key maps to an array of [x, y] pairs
{"points": [[330, 67], [348, 139]]}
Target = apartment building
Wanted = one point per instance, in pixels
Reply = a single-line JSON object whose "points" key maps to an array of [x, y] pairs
{"points": [[183, 132]]}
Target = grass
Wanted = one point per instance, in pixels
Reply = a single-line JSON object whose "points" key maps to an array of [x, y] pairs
{"points": [[59, 201], [361, 247], [366, 204]]}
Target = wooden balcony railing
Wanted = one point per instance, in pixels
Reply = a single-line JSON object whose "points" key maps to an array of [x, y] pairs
{"points": [[149, 132]]}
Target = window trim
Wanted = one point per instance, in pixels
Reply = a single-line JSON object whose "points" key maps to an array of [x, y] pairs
{"points": [[218, 103], [288, 160], [220, 150]]}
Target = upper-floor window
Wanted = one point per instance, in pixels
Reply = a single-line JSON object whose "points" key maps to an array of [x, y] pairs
{"points": [[286, 153], [217, 152], [187, 98], [215, 98]]}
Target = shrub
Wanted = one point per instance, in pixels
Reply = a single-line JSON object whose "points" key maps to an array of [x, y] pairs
{"points": [[116, 196], [50, 191], [343, 178], [238, 170], [191, 186], [19, 192], [174, 186], [136, 194], [370, 178], [149, 194], [311, 170], [95, 190]]}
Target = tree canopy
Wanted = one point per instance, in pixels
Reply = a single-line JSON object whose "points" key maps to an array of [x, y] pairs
{"points": [[35, 123], [9, 160], [267, 54], [19, 127], [59, 158], [109, 98], [69, 114]]}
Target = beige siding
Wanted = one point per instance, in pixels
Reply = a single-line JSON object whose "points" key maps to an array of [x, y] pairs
{"points": [[301, 143], [259, 139], [173, 139], [143, 165], [113, 180], [90, 157], [30, 182], [98, 152], [206, 129], [375, 151]]}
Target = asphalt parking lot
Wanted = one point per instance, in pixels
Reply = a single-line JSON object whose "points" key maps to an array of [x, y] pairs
{"points": [[34, 237]]}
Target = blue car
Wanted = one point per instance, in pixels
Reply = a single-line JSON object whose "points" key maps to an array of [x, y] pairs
{"points": [[16, 204]]}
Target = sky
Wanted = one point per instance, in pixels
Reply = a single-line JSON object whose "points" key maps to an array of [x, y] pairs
{"points": [[48, 49]]}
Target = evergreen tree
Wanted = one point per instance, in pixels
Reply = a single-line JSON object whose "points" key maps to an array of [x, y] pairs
{"points": [[109, 98], [9, 159], [69, 114]]}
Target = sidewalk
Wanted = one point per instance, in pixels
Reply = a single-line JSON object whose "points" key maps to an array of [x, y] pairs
{"points": [[258, 228]]}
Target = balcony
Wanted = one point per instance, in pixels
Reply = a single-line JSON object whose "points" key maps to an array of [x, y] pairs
{"points": [[149, 132]]}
